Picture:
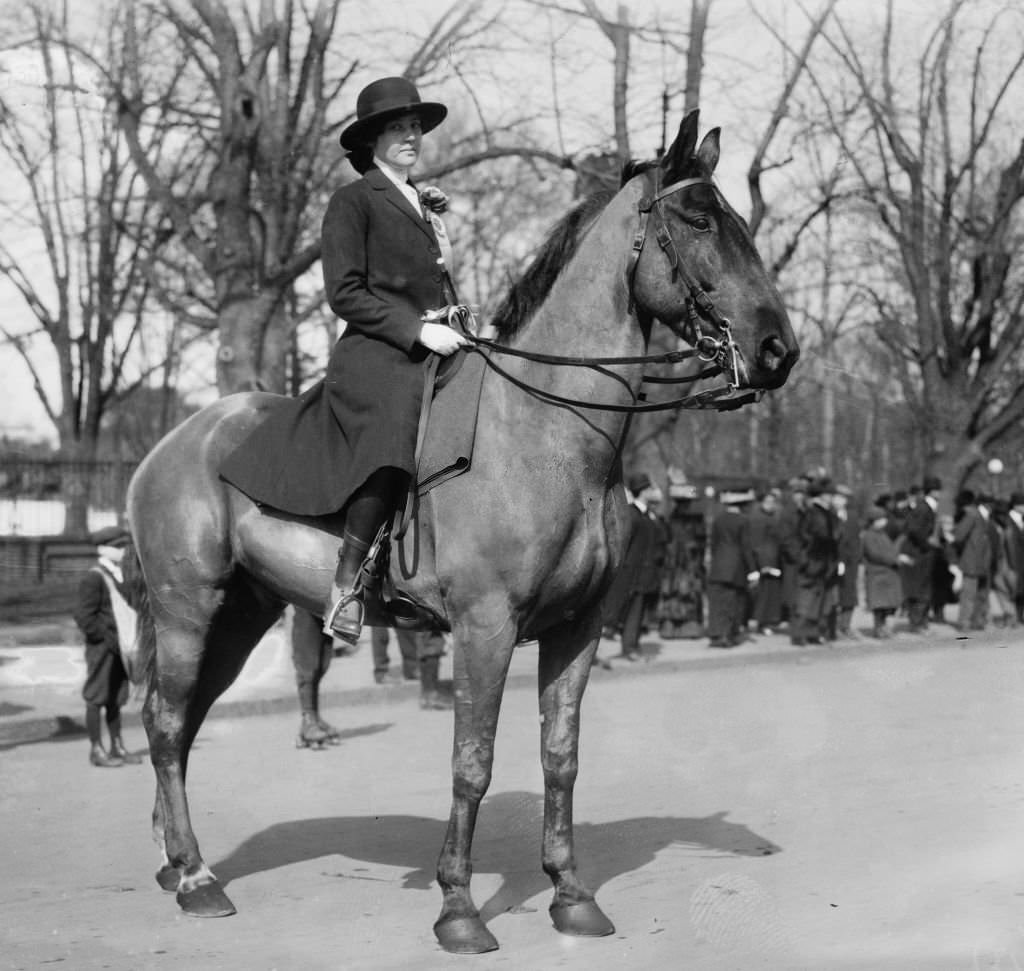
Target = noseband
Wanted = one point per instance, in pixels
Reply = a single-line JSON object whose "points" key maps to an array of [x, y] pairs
{"points": [[718, 348]]}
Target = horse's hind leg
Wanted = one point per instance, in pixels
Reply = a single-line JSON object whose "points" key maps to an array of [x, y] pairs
{"points": [[194, 666], [480, 668], [566, 656]]}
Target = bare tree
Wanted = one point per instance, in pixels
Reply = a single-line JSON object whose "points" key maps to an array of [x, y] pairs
{"points": [[78, 233], [941, 192]]}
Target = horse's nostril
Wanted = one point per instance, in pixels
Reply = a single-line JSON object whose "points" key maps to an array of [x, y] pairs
{"points": [[771, 353]]}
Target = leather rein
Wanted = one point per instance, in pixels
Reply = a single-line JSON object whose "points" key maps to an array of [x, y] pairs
{"points": [[719, 352]]}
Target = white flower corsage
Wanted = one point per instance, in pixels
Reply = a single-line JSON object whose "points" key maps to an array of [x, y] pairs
{"points": [[434, 199]]}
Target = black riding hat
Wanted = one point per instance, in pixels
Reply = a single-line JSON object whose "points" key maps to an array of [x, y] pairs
{"points": [[383, 99]]}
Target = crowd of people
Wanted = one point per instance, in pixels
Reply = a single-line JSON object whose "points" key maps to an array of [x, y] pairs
{"points": [[802, 556]]}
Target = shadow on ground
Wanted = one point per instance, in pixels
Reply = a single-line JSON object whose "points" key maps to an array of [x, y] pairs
{"points": [[59, 729], [511, 835]]}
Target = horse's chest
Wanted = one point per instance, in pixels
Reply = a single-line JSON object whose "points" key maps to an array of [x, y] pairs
{"points": [[582, 553]]}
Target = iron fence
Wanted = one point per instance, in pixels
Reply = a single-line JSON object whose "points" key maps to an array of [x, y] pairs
{"points": [[56, 497]]}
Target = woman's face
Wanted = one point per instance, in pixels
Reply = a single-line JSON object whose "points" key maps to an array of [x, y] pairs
{"points": [[399, 143]]}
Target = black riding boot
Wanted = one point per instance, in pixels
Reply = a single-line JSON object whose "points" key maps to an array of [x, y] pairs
{"points": [[343, 617], [367, 511]]}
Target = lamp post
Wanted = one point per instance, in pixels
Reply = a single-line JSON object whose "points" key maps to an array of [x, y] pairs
{"points": [[995, 469]]}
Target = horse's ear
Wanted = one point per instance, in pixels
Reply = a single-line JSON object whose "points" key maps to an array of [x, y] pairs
{"points": [[710, 150], [680, 153]]}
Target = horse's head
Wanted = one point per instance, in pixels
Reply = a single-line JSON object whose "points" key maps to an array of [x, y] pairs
{"points": [[699, 272]]}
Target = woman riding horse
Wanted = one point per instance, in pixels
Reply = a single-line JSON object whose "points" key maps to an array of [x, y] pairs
{"points": [[350, 441], [521, 546]]}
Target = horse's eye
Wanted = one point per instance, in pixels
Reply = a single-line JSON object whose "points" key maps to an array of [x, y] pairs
{"points": [[702, 224]]}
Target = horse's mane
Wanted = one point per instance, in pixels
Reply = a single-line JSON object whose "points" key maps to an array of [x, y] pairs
{"points": [[531, 289]]}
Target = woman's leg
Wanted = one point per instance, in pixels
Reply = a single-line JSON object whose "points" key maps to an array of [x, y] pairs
{"points": [[368, 509]]}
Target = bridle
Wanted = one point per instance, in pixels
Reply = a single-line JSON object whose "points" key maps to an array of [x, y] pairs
{"points": [[718, 351], [721, 350]]}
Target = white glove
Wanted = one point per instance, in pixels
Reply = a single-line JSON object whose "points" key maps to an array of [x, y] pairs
{"points": [[753, 576], [958, 577], [440, 338], [841, 569], [771, 571]]}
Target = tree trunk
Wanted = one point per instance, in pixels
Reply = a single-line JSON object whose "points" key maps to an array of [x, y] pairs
{"points": [[695, 54], [254, 336]]}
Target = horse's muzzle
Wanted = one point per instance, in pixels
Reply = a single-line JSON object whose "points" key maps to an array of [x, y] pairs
{"points": [[773, 362]]}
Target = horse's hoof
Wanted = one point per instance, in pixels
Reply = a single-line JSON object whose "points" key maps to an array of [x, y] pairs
{"points": [[465, 935], [583, 919], [206, 900], [168, 877]]}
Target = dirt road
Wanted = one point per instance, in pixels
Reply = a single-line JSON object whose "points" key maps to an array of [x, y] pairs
{"points": [[843, 809]]}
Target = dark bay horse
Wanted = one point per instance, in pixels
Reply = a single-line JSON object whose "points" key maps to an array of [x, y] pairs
{"points": [[520, 547]]}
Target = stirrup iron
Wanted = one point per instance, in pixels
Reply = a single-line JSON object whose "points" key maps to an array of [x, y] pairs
{"points": [[354, 626]]}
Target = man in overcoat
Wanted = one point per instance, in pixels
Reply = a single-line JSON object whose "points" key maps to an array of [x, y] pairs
{"points": [[819, 562], [766, 543], [635, 589], [919, 543], [99, 603], [732, 565], [973, 550]]}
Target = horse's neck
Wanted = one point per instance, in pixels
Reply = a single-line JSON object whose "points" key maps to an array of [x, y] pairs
{"points": [[586, 314]]}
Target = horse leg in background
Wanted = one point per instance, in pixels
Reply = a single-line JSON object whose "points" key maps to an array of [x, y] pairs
{"points": [[566, 655], [480, 664], [196, 666]]}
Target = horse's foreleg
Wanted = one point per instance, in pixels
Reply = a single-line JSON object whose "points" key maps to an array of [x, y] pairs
{"points": [[564, 668], [480, 668]]}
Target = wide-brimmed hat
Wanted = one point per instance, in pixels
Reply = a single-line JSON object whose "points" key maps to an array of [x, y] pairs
{"points": [[383, 99]]}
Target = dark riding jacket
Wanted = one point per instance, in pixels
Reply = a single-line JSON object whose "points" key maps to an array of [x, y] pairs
{"points": [[380, 274]]}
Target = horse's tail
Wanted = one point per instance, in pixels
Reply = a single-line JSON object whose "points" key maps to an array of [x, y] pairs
{"points": [[137, 594]]}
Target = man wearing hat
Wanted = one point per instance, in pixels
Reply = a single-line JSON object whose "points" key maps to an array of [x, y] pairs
{"points": [[732, 565], [919, 543], [818, 562], [634, 591], [106, 621], [347, 446]]}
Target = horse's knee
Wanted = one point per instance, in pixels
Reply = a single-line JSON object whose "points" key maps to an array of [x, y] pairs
{"points": [[472, 784], [471, 769], [560, 770]]}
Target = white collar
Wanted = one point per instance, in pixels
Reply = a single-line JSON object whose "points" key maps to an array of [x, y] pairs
{"points": [[933, 503], [400, 180], [395, 175], [112, 568]]}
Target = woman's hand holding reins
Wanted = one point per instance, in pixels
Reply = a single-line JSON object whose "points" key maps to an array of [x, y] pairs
{"points": [[440, 338]]}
